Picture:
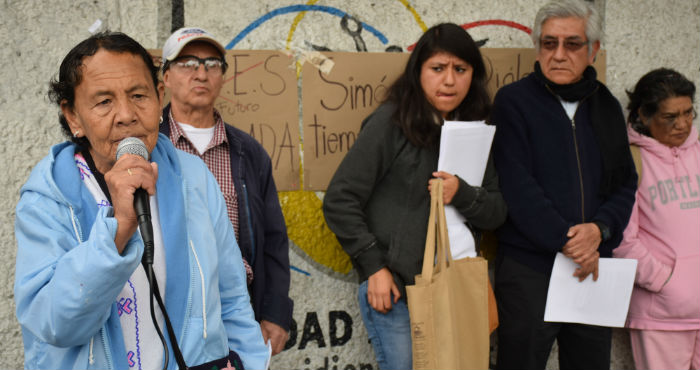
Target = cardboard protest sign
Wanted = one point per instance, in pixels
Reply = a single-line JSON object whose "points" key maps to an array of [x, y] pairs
{"points": [[335, 103], [260, 97]]}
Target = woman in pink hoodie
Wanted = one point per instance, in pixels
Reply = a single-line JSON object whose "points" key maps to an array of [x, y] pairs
{"points": [[663, 233]]}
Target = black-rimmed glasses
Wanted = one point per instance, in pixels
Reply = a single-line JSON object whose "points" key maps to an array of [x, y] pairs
{"points": [[190, 63]]}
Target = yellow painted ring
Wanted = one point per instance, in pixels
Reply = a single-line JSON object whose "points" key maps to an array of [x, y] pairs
{"points": [[307, 229]]}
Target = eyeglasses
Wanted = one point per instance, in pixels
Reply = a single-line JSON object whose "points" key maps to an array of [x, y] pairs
{"points": [[551, 43], [190, 63], [669, 120]]}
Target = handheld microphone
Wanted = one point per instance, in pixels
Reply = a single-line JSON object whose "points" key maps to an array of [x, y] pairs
{"points": [[132, 145]]}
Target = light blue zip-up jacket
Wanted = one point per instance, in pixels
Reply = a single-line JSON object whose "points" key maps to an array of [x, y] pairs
{"points": [[68, 272]]}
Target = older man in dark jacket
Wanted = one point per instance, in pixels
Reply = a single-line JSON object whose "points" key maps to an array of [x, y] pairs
{"points": [[193, 68], [568, 179]]}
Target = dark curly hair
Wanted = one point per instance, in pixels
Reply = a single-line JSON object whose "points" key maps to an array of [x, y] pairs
{"points": [[414, 114], [653, 88], [70, 71]]}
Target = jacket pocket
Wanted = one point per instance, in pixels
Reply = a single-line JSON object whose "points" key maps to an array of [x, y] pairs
{"points": [[406, 255], [680, 297]]}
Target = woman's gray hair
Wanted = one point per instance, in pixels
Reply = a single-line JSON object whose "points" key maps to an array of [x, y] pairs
{"points": [[570, 8]]}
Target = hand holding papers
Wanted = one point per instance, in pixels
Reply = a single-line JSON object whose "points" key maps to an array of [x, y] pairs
{"points": [[604, 302], [464, 151]]}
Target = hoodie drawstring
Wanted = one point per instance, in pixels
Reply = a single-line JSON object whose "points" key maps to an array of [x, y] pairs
{"points": [[204, 305]]}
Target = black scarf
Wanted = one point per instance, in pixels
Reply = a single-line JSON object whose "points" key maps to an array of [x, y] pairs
{"points": [[607, 121]]}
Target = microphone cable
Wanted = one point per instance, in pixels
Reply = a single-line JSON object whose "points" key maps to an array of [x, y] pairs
{"points": [[155, 292], [150, 276]]}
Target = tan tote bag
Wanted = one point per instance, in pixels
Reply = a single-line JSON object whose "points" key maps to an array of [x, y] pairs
{"points": [[448, 305]]}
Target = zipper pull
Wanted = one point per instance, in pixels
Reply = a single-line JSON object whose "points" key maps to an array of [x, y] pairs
{"points": [[573, 123]]}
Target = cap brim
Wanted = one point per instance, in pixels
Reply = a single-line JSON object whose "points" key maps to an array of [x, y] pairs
{"points": [[201, 37]]}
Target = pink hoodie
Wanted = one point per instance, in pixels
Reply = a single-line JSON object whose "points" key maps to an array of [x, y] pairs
{"points": [[663, 235]]}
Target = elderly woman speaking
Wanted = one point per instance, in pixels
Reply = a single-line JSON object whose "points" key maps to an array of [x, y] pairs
{"points": [[82, 294], [663, 234]]}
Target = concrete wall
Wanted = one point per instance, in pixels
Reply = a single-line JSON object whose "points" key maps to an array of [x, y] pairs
{"points": [[640, 35]]}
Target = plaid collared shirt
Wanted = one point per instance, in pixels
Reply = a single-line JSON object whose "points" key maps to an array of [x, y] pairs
{"points": [[216, 157]]}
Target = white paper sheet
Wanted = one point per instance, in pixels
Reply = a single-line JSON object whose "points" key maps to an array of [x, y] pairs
{"points": [[464, 151], [604, 302]]}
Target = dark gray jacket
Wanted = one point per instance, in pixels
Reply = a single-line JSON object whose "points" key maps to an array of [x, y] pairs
{"points": [[378, 202]]}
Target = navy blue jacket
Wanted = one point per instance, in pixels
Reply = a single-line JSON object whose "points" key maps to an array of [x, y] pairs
{"points": [[550, 170], [263, 233]]}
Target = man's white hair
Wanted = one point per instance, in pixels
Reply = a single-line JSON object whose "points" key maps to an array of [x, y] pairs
{"points": [[570, 8]]}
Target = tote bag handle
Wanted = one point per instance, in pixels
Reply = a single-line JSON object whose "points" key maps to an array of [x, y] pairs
{"points": [[437, 234]]}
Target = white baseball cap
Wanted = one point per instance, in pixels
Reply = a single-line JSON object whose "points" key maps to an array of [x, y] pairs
{"points": [[184, 36]]}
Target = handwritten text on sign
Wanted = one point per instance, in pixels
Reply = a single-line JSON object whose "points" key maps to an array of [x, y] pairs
{"points": [[260, 97], [335, 104]]}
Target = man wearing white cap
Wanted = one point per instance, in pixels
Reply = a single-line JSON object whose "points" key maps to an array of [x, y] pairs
{"points": [[193, 68]]}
